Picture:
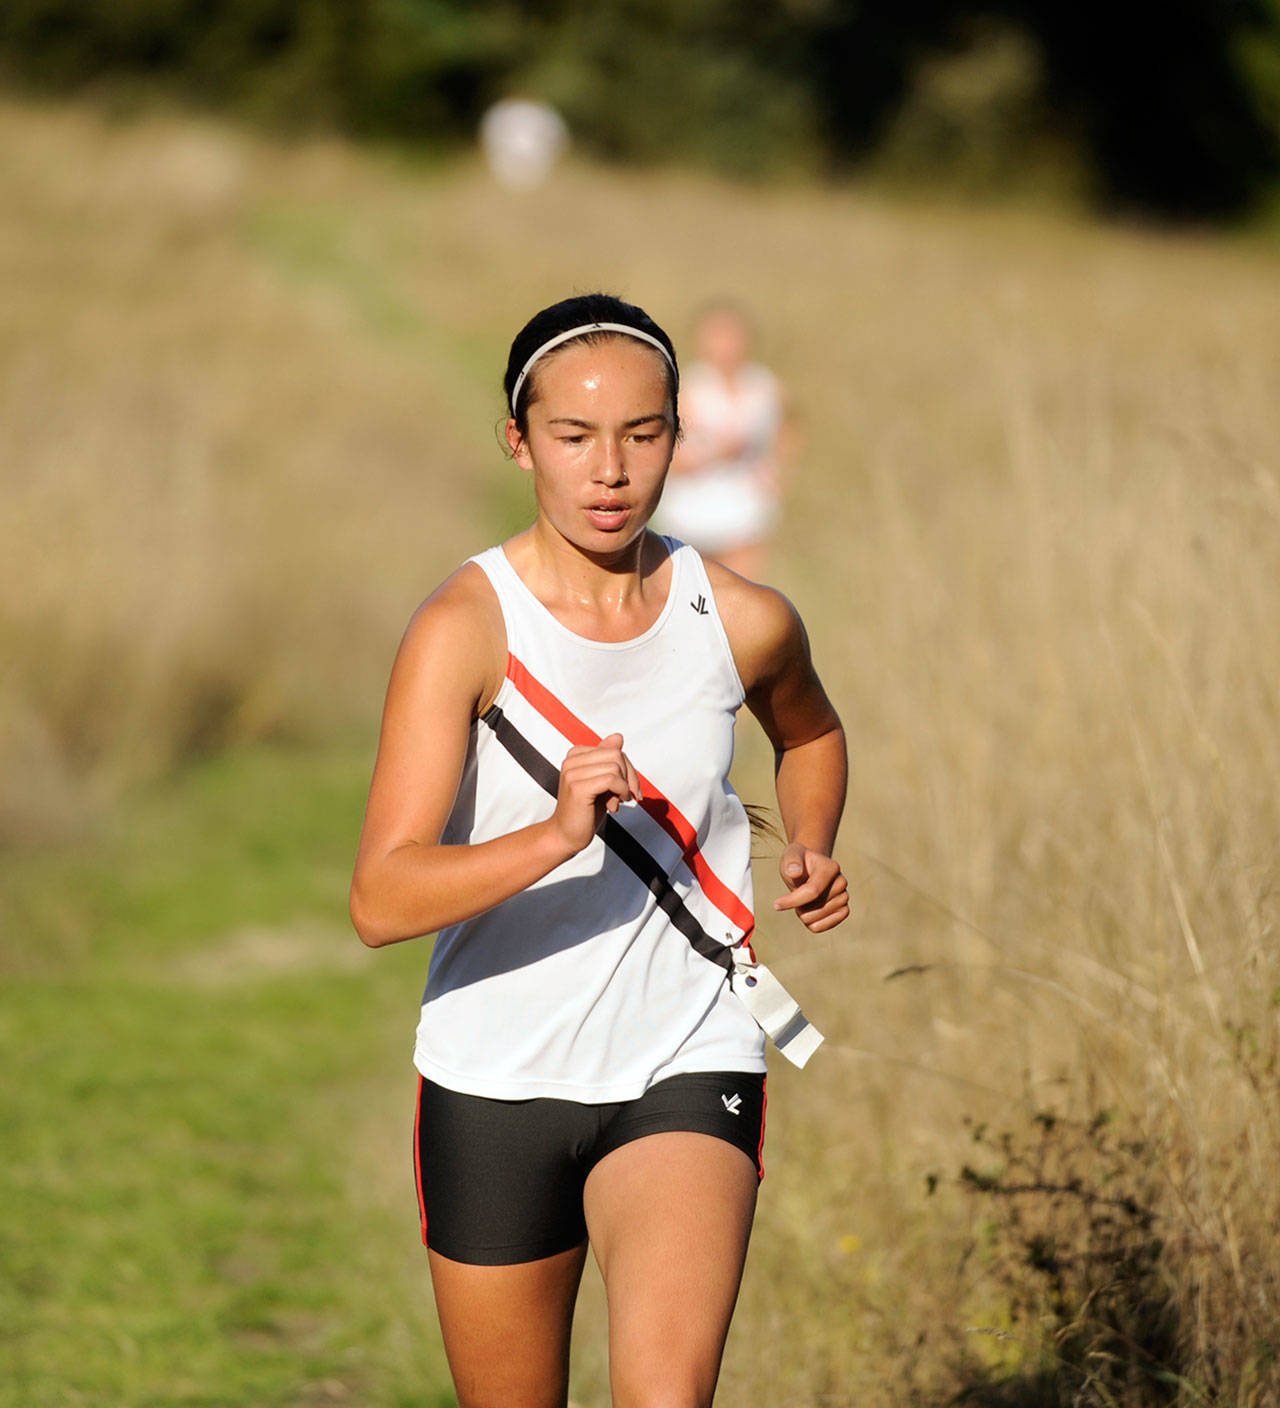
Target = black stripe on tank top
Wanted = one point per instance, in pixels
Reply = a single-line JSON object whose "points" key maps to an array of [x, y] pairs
{"points": [[616, 836]]}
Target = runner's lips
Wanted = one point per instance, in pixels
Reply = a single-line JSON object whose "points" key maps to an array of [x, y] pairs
{"points": [[608, 514]]}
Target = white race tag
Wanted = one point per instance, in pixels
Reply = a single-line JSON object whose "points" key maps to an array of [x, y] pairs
{"points": [[777, 1013]]}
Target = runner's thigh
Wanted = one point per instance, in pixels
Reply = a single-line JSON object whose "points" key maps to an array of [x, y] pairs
{"points": [[506, 1328], [500, 1196], [669, 1217]]}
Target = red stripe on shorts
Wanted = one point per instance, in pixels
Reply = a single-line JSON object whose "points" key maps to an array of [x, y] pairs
{"points": [[764, 1105], [655, 802], [417, 1161]]}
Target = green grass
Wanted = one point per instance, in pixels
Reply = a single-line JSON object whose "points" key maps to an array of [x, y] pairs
{"points": [[203, 1202]]}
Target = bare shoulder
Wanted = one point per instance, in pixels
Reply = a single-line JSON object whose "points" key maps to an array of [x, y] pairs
{"points": [[458, 633], [764, 629], [771, 650]]}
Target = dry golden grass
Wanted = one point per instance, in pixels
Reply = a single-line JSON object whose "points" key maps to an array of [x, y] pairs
{"points": [[200, 465], [247, 405]]}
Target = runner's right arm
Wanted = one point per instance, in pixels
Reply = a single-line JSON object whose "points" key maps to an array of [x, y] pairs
{"points": [[449, 668]]}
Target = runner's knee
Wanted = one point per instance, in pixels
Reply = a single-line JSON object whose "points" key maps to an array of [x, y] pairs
{"points": [[672, 1393]]}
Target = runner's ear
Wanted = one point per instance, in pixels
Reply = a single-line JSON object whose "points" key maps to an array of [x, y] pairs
{"points": [[518, 445]]}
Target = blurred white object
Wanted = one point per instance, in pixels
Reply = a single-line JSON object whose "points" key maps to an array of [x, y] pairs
{"points": [[522, 141]]}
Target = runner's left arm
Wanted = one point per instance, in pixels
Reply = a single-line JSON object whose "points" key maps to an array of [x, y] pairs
{"points": [[785, 694]]}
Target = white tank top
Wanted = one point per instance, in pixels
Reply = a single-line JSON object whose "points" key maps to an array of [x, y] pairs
{"points": [[589, 985]]}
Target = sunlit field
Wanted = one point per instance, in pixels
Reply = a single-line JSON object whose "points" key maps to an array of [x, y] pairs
{"points": [[248, 399]]}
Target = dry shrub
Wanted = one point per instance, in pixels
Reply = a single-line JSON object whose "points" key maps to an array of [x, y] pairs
{"points": [[1116, 1282]]}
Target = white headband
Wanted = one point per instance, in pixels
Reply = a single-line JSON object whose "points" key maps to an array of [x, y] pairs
{"points": [[577, 332]]}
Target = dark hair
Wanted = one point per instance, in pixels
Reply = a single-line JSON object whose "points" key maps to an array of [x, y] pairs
{"points": [[572, 313]]}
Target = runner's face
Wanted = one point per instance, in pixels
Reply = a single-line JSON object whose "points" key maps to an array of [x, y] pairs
{"points": [[600, 440]]}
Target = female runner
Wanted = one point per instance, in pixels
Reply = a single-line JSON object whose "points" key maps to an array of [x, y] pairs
{"points": [[551, 795]]}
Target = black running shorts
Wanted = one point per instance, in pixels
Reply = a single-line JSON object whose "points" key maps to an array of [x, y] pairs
{"points": [[500, 1181]]}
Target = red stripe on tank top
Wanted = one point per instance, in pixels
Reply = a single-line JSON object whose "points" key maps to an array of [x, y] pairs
{"points": [[655, 802]]}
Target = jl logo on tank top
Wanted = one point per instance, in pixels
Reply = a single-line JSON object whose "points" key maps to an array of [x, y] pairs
{"points": [[700, 606]]}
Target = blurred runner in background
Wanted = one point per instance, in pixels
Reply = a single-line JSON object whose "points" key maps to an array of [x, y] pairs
{"points": [[723, 494]]}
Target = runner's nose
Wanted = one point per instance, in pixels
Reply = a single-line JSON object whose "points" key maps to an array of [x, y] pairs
{"points": [[611, 466]]}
